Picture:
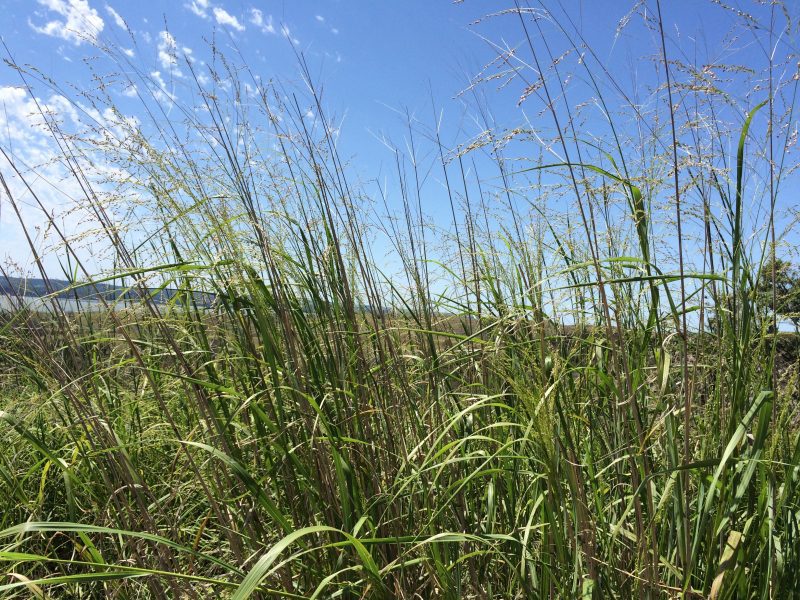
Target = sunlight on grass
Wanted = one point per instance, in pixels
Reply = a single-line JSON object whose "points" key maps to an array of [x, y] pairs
{"points": [[528, 402]]}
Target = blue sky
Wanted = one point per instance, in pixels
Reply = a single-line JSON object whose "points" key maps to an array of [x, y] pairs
{"points": [[372, 57], [375, 60]]}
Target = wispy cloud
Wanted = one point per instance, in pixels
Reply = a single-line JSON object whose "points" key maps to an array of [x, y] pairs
{"points": [[257, 19], [28, 141], [160, 90], [77, 22], [167, 50], [334, 31], [223, 17], [287, 33], [116, 17], [198, 7], [320, 18]]}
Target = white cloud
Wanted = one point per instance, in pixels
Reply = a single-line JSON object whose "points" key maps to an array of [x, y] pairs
{"points": [[287, 33], [78, 21], [257, 19], [223, 17], [167, 50], [198, 7], [21, 123], [320, 18], [334, 31], [25, 137], [156, 75], [159, 89], [128, 52], [118, 20]]}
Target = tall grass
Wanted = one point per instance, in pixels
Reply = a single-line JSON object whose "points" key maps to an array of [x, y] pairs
{"points": [[535, 404]]}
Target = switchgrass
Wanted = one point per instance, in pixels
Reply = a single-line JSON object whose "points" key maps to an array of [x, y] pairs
{"points": [[524, 403]]}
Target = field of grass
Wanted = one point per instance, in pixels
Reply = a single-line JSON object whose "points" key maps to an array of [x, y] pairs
{"points": [[583, 401]]}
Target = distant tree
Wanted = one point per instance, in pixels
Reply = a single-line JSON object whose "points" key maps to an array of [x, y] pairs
{"points": [[787, 289]]}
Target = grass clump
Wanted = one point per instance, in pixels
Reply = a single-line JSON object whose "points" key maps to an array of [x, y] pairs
{"points": [[549, 401]]}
